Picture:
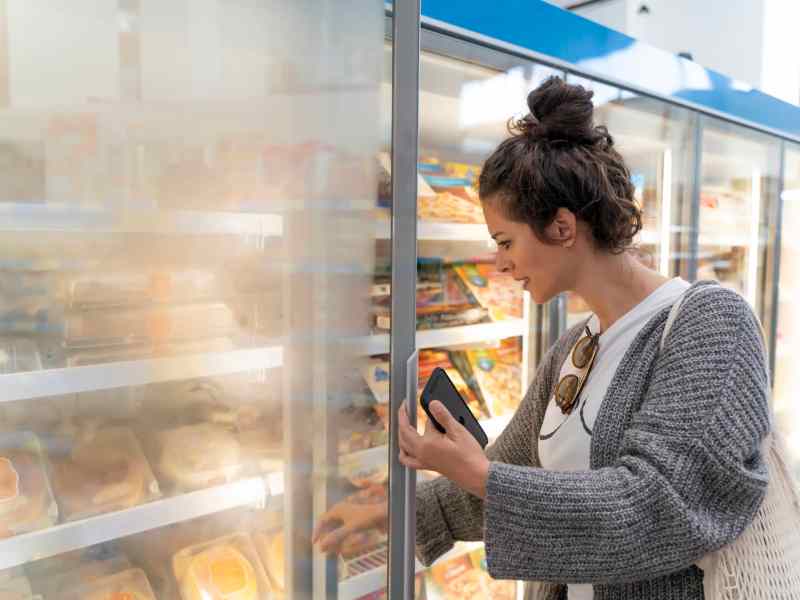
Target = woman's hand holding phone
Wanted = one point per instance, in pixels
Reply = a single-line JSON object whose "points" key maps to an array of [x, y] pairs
{"points": [[455, 454]]}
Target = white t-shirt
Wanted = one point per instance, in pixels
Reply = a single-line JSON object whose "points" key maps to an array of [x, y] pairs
{"points": [[569, 447]]}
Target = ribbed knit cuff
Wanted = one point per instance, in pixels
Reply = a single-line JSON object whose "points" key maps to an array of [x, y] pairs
{"points": [[433, 536]]}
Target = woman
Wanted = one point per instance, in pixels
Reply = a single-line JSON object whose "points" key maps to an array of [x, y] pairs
{"points": [[624, 464]]}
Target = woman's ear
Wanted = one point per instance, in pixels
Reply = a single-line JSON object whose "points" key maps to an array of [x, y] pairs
{"points": [[564, 228]]}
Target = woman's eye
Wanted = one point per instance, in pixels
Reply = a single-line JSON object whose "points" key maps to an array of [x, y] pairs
{"points": [[505, 245]]}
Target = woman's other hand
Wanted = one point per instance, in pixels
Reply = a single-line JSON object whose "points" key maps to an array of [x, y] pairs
{"points": [[454, 454], [346, 518]]}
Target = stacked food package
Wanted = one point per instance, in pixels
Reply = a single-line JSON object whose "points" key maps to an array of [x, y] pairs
{"points": [[453, 295], [51, 318], [227, 556], [445, 190], [465, 577], [494, 373], [74, 462]]}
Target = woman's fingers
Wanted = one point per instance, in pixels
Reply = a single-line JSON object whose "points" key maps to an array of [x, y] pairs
{"points": [[410, 461], [332, 541], [327, 521], [444, 418], [408, 436]]}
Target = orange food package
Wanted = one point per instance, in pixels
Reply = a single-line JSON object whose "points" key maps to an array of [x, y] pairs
{"points": [[497, 292], [227, 568], [466, 577], [26, 498]]}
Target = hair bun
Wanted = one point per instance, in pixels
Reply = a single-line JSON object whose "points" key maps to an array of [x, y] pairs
{"points": [[560, 111]]}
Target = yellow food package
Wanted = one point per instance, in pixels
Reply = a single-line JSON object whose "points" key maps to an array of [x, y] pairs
{"points": [[227, 568], [499, 589]]}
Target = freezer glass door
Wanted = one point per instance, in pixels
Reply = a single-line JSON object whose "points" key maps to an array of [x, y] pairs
{"points": [[186, 256], [738, 200], [472, 321], [786, 386], [656, 139]]}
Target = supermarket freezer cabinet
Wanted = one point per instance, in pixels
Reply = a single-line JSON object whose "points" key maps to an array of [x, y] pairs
{"points": [[185, 237], [709, 186]]}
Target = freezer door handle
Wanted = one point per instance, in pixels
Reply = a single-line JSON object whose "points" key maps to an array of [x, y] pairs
{"points": [[410, 505]]}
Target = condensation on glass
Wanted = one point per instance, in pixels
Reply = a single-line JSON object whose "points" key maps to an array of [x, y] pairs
{"points": [[186, 260]]}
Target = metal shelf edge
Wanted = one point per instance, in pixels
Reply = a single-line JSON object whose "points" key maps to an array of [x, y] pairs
{"points": [[450, 336], [18, 216], [70, 380], [35, 545]]}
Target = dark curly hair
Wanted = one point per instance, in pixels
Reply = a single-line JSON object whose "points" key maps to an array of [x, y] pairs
{"points": [[556, 157]]}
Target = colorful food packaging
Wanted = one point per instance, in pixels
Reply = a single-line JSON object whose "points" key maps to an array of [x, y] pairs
{"points": [[497, 292], [499, 381], [227, 568], [466, 577]]}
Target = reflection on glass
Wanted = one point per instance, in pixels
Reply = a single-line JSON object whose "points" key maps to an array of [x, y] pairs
{"points": [[472, 321], [786, 385], [655, 139], [186, 256], [737, 199]]}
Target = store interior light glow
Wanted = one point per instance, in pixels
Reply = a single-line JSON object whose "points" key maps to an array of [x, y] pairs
{"points": [[493, 100], [790, 195]]}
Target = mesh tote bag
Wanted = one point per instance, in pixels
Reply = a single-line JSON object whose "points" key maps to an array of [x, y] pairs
{"points": [[764, 562]]}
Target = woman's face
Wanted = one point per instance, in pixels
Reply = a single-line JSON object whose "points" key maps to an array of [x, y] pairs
{"points": [[542, 268]]}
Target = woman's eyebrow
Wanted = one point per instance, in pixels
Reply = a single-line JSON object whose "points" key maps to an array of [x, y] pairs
{"points": [[494, 236]]}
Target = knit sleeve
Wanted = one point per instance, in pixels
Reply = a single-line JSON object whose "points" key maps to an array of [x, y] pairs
{"points": [[688, 478], [445, 512]]}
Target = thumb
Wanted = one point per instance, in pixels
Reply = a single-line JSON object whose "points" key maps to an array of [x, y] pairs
{"points": [[443, 417]]}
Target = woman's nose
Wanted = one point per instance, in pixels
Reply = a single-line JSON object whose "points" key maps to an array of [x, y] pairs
{"points": [[503, 265]]}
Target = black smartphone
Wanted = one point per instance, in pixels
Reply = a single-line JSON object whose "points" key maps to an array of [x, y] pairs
{"points": [[441, 388]]}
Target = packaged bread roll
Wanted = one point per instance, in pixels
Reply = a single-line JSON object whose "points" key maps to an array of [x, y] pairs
{"points": [[102, 473], [227, 568], [26, 500], [198, 456]]}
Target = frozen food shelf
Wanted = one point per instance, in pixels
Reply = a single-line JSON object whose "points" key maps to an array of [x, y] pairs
{"points": [[451, 336], [27, 547], [371, 580], [71, 380], [82, 219], [433, 230]]}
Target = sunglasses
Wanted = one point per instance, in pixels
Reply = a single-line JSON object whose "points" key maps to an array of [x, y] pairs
{"points": [[569, 387]]}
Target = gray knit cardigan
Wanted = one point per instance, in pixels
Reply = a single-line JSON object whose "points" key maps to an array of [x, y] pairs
{"points": [[676, 468]]}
